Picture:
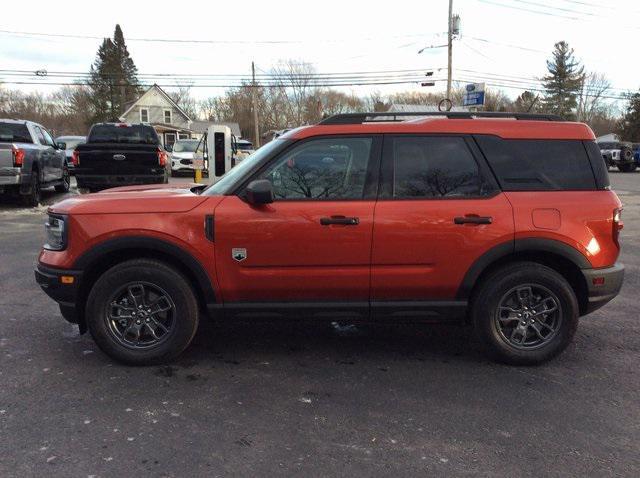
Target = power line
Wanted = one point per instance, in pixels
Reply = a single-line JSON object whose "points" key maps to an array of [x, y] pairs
{"points": [[222, 42]]}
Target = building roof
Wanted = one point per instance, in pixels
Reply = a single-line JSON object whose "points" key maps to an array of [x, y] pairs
{"points": [[162, 93], [198, 126]]}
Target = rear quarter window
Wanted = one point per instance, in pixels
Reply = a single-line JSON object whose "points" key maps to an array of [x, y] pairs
{"points": [[14, 133], [538, 165]]}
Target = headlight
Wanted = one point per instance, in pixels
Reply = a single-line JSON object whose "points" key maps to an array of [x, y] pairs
{"points": [[56, 231]]}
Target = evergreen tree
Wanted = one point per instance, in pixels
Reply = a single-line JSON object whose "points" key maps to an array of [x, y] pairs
{"points": [[114, 79], [564, 82], [629, 125]]}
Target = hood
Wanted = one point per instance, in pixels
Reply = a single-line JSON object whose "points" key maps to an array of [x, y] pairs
{"points": [[151, 198], [185, 155]]}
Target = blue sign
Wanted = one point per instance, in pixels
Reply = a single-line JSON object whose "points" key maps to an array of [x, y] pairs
{"points": [[474, 95]]}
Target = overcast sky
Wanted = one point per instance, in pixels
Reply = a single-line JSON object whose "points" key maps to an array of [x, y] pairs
{"points": [[498, 37]]}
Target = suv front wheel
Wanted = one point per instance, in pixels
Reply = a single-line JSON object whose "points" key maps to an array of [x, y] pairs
{"points": [[525, 314], [142, 312]]}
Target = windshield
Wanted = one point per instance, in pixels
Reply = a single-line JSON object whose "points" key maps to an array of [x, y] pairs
{"points": [[14, 133], [230, 178], [71, 142], [123, 133], [185, 146], [245, 146]]}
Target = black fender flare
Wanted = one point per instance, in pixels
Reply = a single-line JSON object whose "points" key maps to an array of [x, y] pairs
{"points": [[532, 244], [97, 252]]}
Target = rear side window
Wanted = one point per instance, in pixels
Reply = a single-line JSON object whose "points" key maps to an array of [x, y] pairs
{"points": [[14, 133], [433, 167], [538, 165], [121, 133]]}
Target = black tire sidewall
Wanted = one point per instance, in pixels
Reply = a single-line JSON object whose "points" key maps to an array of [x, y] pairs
{"points": [[487, 301], [66, 181], [168, 279], [35, 195]]}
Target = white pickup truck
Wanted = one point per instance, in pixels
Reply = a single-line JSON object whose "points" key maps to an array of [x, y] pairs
{"points": [[30, 161]]}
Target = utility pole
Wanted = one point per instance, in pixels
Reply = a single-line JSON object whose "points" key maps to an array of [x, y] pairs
{"points": [[254, 100], [449, 48]]}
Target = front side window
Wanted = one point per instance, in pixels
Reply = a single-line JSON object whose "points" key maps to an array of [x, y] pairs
{"points": [[433, 167], [322, 169]]}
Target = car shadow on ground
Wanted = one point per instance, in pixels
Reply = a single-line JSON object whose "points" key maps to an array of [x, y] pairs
{"points": [[346, 343]]}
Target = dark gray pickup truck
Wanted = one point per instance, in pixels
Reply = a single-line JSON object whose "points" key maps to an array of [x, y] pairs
{"points": [[120, 154], [30, 161]]}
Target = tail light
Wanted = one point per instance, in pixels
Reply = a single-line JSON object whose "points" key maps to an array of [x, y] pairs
{"points": [[18, 156], [162, 157], [618, 225], [75, 157]]}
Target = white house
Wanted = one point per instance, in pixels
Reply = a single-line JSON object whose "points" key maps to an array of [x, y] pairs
{"points": [[157, 108]]}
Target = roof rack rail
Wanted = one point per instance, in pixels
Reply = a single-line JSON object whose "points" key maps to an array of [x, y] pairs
{"points": [[383, 117]]}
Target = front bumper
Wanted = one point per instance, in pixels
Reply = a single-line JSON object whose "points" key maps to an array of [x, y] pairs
{"points": [[65, 294], [602, 285]]}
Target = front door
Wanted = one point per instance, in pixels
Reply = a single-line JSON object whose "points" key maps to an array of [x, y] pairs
{"points": [[312, 245], [439, 211]]}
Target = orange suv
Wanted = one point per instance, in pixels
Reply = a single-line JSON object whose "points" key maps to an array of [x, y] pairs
{"points": [[503, 221]]}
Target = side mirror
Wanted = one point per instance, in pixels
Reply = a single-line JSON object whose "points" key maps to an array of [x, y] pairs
{"points": [[61, 145], [260, 192]]}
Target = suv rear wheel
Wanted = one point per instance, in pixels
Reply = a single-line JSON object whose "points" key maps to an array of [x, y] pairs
{"points": [[32, 199], [525, 314], [627, 167], [142, 312]]}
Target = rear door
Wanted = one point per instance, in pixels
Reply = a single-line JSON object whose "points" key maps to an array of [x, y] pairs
{"points": [[439, 210], [313, 244]]}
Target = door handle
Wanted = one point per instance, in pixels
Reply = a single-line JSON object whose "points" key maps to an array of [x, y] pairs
{"points": [[341, 220], [473, 219]]}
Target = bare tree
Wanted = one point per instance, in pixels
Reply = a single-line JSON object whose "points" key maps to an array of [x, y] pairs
{"points": [[591, 101], [182, 97]]}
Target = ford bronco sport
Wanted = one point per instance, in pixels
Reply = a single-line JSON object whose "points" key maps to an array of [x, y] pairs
{"points": [[502, 221]]}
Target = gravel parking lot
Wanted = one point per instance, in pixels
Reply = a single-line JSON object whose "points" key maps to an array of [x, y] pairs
{"points": [[283, 399]]}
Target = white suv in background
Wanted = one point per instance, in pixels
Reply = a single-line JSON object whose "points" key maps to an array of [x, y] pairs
{"points": [[183, 155]]}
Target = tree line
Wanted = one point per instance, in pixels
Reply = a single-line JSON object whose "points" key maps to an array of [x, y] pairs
{"points": [[291, 98]]}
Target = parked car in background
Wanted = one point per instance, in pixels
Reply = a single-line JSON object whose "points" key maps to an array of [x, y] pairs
{"points": [[120, 154], [623, 155], [244, 149], [475, 218], [68, 144], [183, 154], [29, 161]]}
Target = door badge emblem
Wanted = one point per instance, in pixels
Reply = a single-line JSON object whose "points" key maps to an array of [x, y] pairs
{"points": [[238, 254]]}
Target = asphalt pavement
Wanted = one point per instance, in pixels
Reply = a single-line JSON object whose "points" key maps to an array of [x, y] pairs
{"points": [[283, 399]]}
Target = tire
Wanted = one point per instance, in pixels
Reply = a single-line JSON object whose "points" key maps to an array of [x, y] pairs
{"points": [[33, 198], [626, 154], [495, 308], [627, 167], [130, 285], [66, 181]]}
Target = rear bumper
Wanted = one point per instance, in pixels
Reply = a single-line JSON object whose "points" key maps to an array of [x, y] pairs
{"points": [[104, 182], [66, 295], [11, 176], [603, 285]]}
